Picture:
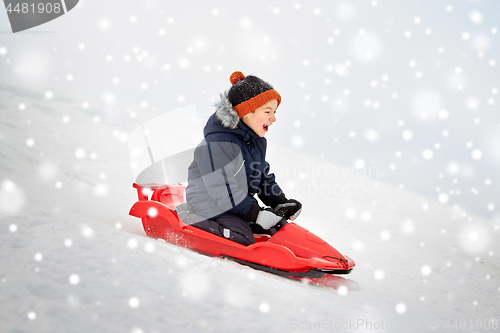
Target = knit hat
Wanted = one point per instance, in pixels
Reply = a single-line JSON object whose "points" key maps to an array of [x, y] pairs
{"points": [[246, 95], [249, 93]]}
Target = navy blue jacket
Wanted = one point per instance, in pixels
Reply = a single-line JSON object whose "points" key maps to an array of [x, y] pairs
{"points": [[228, 169]]}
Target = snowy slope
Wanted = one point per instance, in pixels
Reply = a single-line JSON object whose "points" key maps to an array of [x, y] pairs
{"points": [[72, 260]]}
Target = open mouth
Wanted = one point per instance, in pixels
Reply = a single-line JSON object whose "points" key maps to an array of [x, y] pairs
{"points": [[266, 128]]}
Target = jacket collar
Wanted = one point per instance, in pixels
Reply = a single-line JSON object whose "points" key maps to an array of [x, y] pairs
{"points": [[226, 120], [250, 135]]}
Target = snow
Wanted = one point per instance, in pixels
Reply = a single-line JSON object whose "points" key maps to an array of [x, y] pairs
{"points": [[73, 260]]}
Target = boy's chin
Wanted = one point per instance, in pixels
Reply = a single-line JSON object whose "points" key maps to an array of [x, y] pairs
{"points": [[261, 133]]}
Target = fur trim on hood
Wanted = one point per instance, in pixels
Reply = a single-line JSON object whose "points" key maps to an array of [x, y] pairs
{"points": [[225, 112]]}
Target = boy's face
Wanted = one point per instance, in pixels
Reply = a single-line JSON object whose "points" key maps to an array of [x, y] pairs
{"points": [[263, 117]]}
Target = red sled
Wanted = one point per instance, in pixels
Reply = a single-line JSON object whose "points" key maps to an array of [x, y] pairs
{"points": [[292, 252]]}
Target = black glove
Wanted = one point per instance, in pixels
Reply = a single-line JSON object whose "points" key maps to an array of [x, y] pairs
{"points": [[290, 209]]}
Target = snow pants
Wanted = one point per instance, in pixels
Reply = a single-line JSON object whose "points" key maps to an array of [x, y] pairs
{"points": [[231, 226]]}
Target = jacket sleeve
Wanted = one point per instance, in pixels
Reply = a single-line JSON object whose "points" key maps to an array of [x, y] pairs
{"points": [[223, 173], [270, 193]]}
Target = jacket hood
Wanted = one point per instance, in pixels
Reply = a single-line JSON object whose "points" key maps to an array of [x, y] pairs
{"points": [[225, 112], [226, 120]]}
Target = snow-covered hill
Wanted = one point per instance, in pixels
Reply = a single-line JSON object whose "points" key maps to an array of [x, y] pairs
{"points": [[72, 260]]}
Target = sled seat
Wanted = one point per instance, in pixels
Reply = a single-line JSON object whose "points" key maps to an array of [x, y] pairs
{"points": [[170, 195]]}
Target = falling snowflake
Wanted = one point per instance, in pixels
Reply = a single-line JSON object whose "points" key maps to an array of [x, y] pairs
{"points": [[476, 17], [264, 307], [385, 235], [407, 227], [400, 308], [149, 247], [357, 245], [297, 141], [136, 330], [87, 232], [443, 198], [350, 213], [407, 134], [80, 153], [104, 24], [473, 238], [365, 216], [12, 198], [379, 274], [427, 154], [74, 279], [477, 154], [342, 291], [425, 270], [132, 243], [133, 302], [152, 212], [100, 190]]}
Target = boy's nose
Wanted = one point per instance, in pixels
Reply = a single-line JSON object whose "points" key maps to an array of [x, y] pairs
{"points": [[272, 118]]}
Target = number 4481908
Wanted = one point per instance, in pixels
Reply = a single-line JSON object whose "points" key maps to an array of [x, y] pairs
{"points": [[41, 8], [472, 324]]}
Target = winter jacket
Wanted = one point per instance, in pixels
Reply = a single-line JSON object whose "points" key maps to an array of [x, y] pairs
{"points": [[229, 168]]}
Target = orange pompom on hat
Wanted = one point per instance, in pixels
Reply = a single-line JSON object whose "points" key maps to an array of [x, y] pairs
{"points": [[249, 93]]}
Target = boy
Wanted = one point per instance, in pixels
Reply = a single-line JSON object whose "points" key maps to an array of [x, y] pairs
{"points": [[229, 165]]}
